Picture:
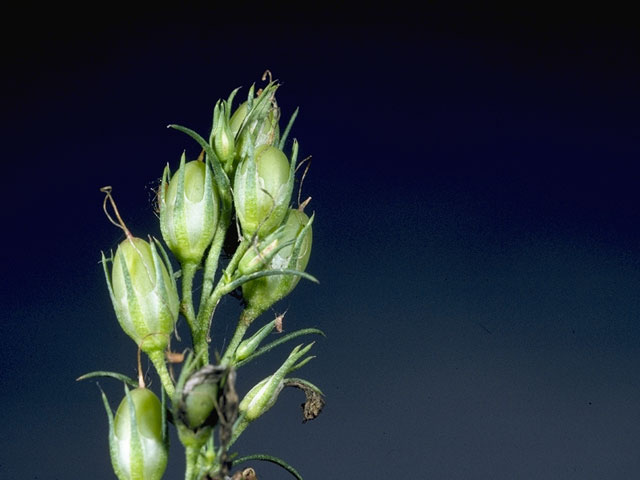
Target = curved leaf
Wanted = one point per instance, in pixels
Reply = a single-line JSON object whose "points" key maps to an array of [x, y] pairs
{"points": [[272, 459], [116, 375], [230, 287], [283, 339]]}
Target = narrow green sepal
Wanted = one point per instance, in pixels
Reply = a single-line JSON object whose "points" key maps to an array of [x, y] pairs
{"points": [[267, 273], [113, 446], [109, 285], [251, 96], [230, 101], [283, 139], [301, 363], [136, 456], [101, 373], [279, 341]]}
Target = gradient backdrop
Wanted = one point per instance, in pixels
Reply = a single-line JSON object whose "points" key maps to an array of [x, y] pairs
{"points": [[475, 182]]}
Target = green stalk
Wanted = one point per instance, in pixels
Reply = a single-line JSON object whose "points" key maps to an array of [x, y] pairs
{"points": [[247, 316], [238, 428], [243, 246], [200, 344], [157, 358], [191, 459], [206, 310], [211, 264], [201, 331], [188, 272]]}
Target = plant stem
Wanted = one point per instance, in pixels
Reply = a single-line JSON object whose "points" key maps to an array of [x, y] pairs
{"points": [[191, 460], [243, 246], [247, 316], [157, 358], [188, 272], [200, 345], [239, 427], [211, 302], [211, 264]]}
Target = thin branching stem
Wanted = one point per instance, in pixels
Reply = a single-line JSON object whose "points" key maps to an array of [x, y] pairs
{"points": [[188, 272], [246, 318], [157, 358]]}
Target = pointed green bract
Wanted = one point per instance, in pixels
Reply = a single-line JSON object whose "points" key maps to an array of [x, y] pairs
{"points": [[116, 375], [282, 339]]}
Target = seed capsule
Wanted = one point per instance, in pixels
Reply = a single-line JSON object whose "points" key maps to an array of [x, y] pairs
{"points": [[189, 210], [263, 292], [138, 448], [262, 190], [263, 130], [143, 293]]}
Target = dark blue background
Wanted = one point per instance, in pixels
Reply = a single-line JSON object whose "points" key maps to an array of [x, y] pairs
{"points": [[475, 182]]}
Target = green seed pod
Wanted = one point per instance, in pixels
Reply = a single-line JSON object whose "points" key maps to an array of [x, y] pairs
{"points": [[262, 190], [264, 394], [189, 210], [258, 256], [138, 447], [263, 130], [200, 404], [222, 136], [143, 292], [296, 236]]}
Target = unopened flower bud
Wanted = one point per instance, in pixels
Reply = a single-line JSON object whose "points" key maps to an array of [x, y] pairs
{"points": [[262, 190], [223, 137], [138, 448], [189, 210], [143, 293], [248, 346], [264, 395], [263, 130], [263, 292], [257, 256]]}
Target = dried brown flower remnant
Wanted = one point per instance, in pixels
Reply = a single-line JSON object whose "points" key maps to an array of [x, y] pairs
{"points": [[315, 399]]}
